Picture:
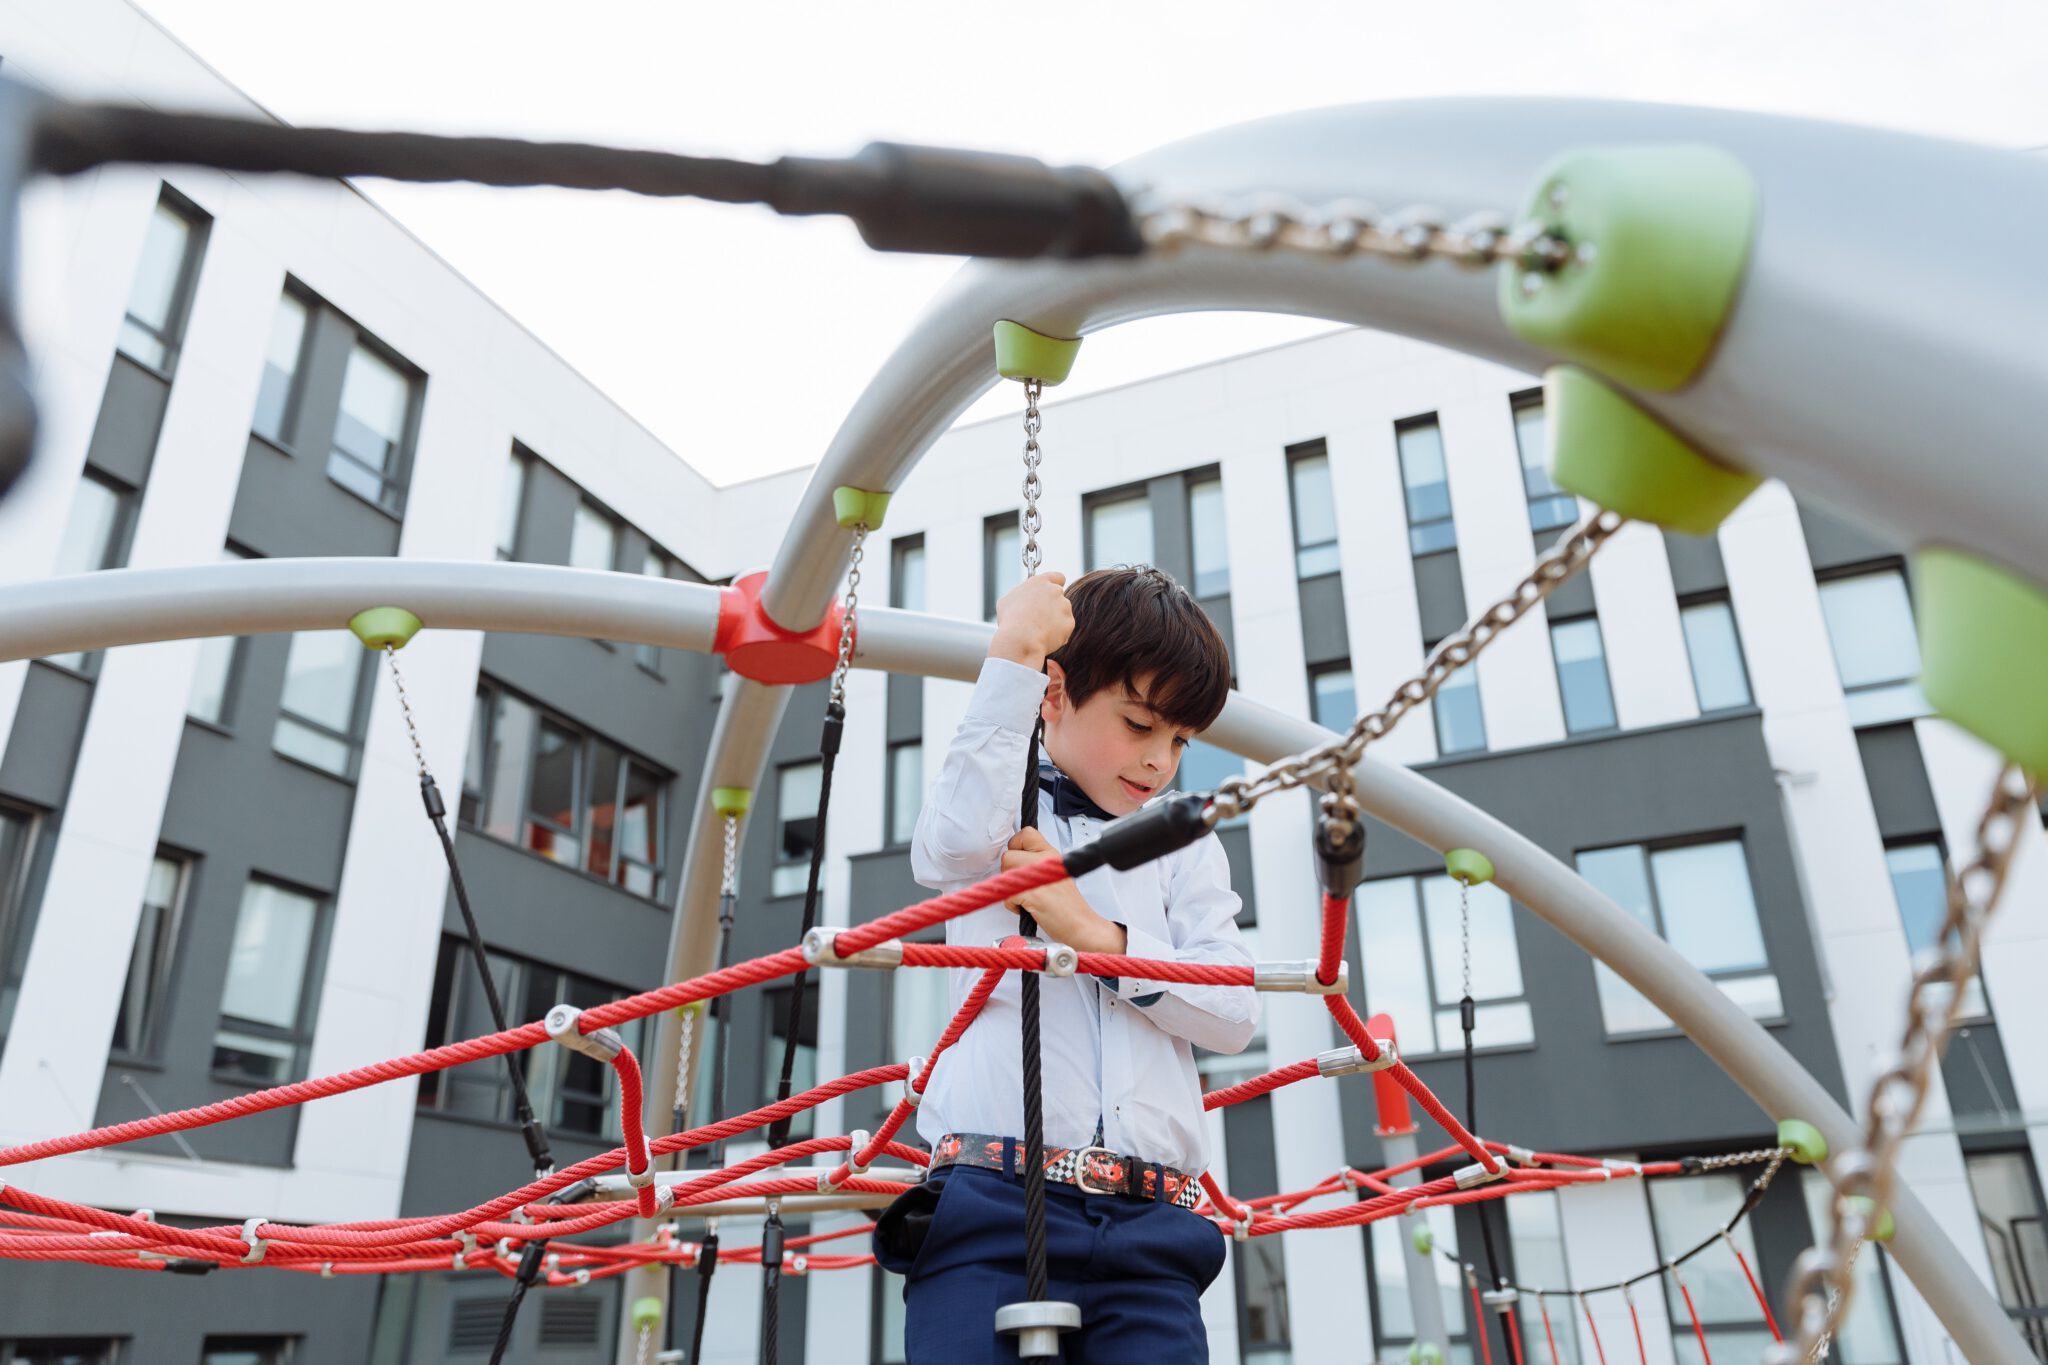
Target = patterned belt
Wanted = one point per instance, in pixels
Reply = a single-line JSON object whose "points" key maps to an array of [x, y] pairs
{"points": [[1091, 1170]]}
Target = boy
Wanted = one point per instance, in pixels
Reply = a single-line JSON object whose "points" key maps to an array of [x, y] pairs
{"points": [[1132, 670]]}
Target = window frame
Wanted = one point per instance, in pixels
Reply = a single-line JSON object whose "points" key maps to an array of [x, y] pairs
{"points": [[901, 550], [519, 468], [359, 709], [1547, 499], [231, 672], [113, 554], [1977, 993], [285, 440], [1874, 569], [1425, 421], [1190, 481], [1092, 503], [774, 1020], [1296, 456], [1613, 724], [300, 1033], [1418, 907], [777, 862], [893, 794], [992, 529], [655, 562], [1464, 680], [1692, 602], [198, 232], [17, 915], [396, 481], [1330, 668], [148, 1045]]}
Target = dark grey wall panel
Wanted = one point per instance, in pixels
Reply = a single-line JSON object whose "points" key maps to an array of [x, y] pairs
{"points": [[1575, 598], [131, 417], [1172, 548], [905, 708], [1897, 776], [1439, 594], [1695, 564], [1835, 542], [43, 746], [286, 505], [1979, 1081], [1324, 636]]}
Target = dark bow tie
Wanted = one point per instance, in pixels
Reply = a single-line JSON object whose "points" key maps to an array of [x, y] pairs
{"points": [[1068, 800]]}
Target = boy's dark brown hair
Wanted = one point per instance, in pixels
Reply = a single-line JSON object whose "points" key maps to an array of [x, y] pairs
{"points": [[1137, 624]]}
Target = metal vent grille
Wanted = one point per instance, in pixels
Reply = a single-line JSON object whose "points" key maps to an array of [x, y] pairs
{"points": [[569, 1321], [474, 1326]]}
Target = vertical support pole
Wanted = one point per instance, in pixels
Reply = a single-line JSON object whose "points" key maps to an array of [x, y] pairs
{"points": [[1396, 1132]]}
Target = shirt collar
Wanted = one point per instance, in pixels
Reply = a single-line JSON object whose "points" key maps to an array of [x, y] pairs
{"points": [[1068, 800]]}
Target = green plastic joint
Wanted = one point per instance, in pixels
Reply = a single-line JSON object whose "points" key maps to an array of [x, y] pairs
{"points": [[1469, 866], [858, 507], [1024, 354], [1661, 235], [1423, 1238], [730, 802], [377, 627], [1604, 447], [1880, 1225], [646, 1313], [1984, 650], [1809, 1148], [1425, 1353]]}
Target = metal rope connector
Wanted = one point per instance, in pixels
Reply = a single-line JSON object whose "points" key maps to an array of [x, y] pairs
{"points": [[821, 949], [1300, 976], [1349, 1061], [603, 1044], [914, 1068], [1475, 1175]]}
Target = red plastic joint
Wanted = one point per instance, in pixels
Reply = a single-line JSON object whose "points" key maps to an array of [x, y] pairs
{"points": [[1392, 1101], [758, 649]]}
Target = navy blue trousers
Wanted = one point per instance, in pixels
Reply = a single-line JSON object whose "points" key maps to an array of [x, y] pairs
{"points": [[1136, 1269]]}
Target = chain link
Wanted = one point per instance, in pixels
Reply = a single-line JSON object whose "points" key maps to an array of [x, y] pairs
{"points": [[1029, 523], [845, 664], [1775, 1155], [1465, 931], [684, 1034], [419, 755], [645, 1355], [1823, 1281], [1573, 550], [732, 848], [1352, 227]]}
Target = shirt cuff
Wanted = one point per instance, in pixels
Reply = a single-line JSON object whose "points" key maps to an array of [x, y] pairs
{"points": [[1138, 943], [1007, 695]]}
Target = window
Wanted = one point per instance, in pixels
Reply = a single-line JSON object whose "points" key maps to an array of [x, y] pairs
{"points": [[1333, 698], [246, 1351], [1393, 1314], [1426, 486], [1920, 883], [213, 677], [593, 539], [1683, 1214], [277, 394], [511, 503], [322, 679], [796, 826], [1414, 970], [162, 293], [1119, 530], [1206, 537], [1262, 1296], [1315, 510], [136, 1027], [1460, 726], [906, 573], [1870, 1334], [368, 453], [1870, 624], [1697, 898], [58, 1351], [542, 782], [1536, 1245], [1582, 675], [653, 564], [262, 1008], [570, 1092], [92, 539], [18, 826], [906, 789], [805, 1073], [1550, 507], [1204, 765], [2010, 1212], [1002, 561], [1718, 677]]}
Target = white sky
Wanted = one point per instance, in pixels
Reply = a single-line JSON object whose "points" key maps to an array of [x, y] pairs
{"points": [[702, 320]]}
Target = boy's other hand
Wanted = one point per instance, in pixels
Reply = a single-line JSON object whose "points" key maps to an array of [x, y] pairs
{"points": [[1063, 914], [1033, 619]]}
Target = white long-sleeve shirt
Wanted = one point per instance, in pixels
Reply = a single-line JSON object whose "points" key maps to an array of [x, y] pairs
{"points": [[1120, 1052]]}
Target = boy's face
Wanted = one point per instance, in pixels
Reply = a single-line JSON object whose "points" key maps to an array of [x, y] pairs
{"points": [[1121, 752]]}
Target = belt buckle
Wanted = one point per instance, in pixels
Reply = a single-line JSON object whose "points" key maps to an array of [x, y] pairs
{"points": [[1082, 1180]]}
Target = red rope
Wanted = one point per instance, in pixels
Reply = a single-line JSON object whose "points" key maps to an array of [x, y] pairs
{"points": [[1548, 1335], [1593, 1328], [1757, 1290], [1642, 1354], [1699, 1333], [1479, 1322], [1331, 958], [1514, 1335], [1354, 1028]]}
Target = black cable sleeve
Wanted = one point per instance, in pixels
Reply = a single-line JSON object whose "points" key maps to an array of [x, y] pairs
{"points": [[1037, 1280], [828, 754], [771, 1290]]}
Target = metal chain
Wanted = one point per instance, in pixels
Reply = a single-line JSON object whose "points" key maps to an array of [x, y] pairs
{"points": [[684, 1034], [1465, 930], [1775, 1155], [845, 664], [1352, 227], [1238, 794], [1823, 1279], [732, 846], [1028, 521], [645, 1355], [419, 755]]}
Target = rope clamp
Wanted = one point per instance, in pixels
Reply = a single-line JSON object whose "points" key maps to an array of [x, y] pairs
{"points": [[640, 1180], [854, 1167], [604, 1044], [1621, 1167], [1475, 1175], [257, 1245], [821, 949], [1504, 1297], [1241, 1223], [796, 1264], [327, 1270], [582, 1278], [1061, 959], [913, 1072], [1521, 1155], [1299, 976], [1348, 1061]]}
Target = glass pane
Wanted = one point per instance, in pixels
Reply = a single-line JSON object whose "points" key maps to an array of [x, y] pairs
{"points": [[1396, 975], [1396, 1316], [1886, 703], [374, 399], [1709, 912], [139, 343], [512, 731], [209, 700], [1725, 1343], [1263, 1268], [1870, 623], [1623, 876], [1687, 1212], [1757, 995], [1532, 436], [1536, 1238], [1421, 446], [1314, 560], [906, 578], [511, 499], [1428, 537], [640, 820], [1207, 537], [1552, 513], [551, 828], [1202, 766], [321, 675], [280, 365], [296, 739], [1582, 676], [602, 794], [796, 821], [1496, 961], [1624, 1009], [89, 531], [268, 1061], [919, 1009], [154, 297], [1503, 1025], [268, 958], [1710, 640], [155, 934], [2010, 1214], [906, 790], [1335, 700], [593, 539], [1867, 1338], [1315, 506], [1120, 532], [1460, 726], [1005, 565]]}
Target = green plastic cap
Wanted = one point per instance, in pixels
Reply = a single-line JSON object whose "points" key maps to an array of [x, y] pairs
{"points": [[1425, 1353], [1661, 236], [377, 627], [1604, 447], [731, 801], [1469, 866], [1809, 1148], [1024, 354], [1423, 1238], [1984, 651], [858, 507], [646, 1313], [1881, 1226]]}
